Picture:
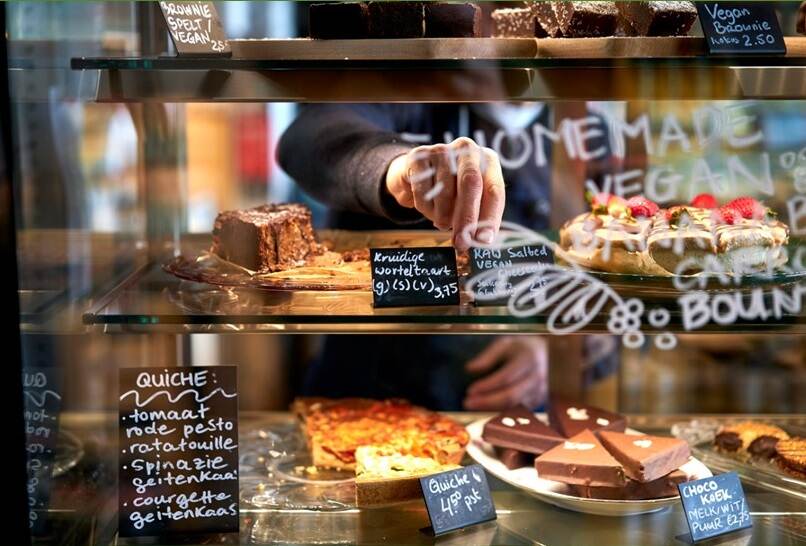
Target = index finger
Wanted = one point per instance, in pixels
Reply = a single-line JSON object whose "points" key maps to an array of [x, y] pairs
{"points": [[469, 187], [493, 198]]}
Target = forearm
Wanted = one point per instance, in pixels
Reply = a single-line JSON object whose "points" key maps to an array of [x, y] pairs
{"points": [[341, 157]]}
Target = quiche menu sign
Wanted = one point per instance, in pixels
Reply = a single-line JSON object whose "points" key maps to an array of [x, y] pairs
{"points": [[178, 460], [195, 28]]}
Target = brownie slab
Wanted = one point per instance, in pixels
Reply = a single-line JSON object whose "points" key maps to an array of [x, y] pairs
{"points": [[338, 20], [266, 238], [645, 458], [586, 19], [516, 23], [545, 17], [445, 20], [665, 486], [519, 429], [396, 19], [569, 419], [658, 18], [581, 460], [512, 458]]}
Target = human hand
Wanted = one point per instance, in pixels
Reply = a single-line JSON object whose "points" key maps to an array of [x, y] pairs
{"points": [[458, 185], [800, 25], [521, 379]]}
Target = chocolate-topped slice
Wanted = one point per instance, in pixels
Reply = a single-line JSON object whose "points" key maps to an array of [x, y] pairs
{"points": [[581, 460], [645, 458], [519, 429], [569, 419], [658, 18], [512, 458]]}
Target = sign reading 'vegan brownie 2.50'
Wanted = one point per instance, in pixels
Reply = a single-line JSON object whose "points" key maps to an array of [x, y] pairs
{"points": [[403, 277], [741, 28]]}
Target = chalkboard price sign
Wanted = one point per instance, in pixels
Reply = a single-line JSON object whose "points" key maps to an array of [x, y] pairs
{"points": [[403, 277], [741, 28], [714, 506], [178, 461], [40, 387], [195, 29], [457, 498], [514, 265]]}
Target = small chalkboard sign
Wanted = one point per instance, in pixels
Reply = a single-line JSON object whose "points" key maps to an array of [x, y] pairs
{"points": [[42, 403], [178, 440], [512, 266], [405, 277], [714, 506], [732, 28], [195, 29], [457, 498]]}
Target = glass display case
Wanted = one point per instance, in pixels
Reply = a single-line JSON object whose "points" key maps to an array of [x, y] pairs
{"points": [[577, 205]]}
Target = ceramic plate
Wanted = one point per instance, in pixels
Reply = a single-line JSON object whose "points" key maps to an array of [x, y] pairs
{"points": [[557, 493]]}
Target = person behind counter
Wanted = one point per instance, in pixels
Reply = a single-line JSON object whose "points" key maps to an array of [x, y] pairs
{"points": [[375, 167]]}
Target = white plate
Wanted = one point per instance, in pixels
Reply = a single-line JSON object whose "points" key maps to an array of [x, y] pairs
{"points": [[557, 493]]}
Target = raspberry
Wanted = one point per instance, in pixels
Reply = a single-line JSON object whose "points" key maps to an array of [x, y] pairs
{"points": [[640, 206], [747, 207], [725, 215], [617, 207], [704, 201]]}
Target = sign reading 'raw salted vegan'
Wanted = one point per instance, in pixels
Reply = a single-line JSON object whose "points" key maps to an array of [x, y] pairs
{"points": [[178, 470], [403, 277], [514, 265], [195, 28], [714, 506], [741, 27], [457, 498], [40, 387]]}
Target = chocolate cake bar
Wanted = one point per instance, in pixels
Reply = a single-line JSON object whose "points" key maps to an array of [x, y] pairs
{"points": [[516, 23], [545, 17], [338, 20], [444, 20], [665, 486], [266, 238], [396, 19], [570, 419], [519, 429], [512, 458], [586, 19], [645, 458], [581, 460], [658, 18]]}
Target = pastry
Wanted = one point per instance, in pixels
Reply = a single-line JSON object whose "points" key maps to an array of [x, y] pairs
{"points": [[338, 20], [334, 429], [792, 456], [645, 458], [449, 20], [658, 18], [546, 18], [516, 23], [665, 486], [399, 19], [586, 19], [581, 460], [266, 238], [750, 439], [569, 419], [519, 429]]}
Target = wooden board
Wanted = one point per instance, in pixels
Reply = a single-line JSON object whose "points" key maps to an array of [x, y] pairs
{"points": [[482, 48]]}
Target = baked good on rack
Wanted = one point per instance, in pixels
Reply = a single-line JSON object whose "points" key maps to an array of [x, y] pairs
{"points": [[338, 20], [750, 439], [570, 418], [665, 486], [266, 238], [791, 456], [516, 23], [586, 19], [546, 18], [658, 18], [519, 429], [449, 20], [335, 429], [400, 19], [581, 460], [645, 458]]}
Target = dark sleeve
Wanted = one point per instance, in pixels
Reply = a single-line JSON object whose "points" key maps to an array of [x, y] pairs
{"points": [[339, 154]]}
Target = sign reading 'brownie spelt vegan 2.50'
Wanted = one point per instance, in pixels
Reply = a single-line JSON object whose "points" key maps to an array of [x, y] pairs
{"points": [[195, 28], [741, 28], [404, 277]]}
